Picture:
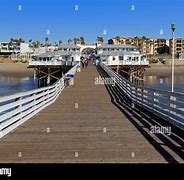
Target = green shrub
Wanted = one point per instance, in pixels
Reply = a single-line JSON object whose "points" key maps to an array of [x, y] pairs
{"points": [[153, 61]]}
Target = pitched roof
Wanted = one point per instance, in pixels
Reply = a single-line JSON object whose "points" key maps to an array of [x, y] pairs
{"points": [[117, 53], [57, 53], [115, 46]]}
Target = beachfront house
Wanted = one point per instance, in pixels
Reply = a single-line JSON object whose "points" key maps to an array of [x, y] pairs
{"points": [[6, 48], [73, 49], [57, 58], [120, 55], [122, 58]]}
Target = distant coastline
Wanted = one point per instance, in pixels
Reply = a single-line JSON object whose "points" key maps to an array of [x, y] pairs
{"points": [[163, 70]]}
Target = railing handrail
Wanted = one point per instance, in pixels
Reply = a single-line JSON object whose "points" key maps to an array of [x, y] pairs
{"points": [[52, 62], [166, 104]]}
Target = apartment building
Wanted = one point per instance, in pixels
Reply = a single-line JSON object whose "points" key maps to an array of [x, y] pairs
{"points": [[179, 46], [7, 48]]}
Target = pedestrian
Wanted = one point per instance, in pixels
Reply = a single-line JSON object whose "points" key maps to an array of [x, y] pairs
{"points": [[86, 63], [82, 62]]}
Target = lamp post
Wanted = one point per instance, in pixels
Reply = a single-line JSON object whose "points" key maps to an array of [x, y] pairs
{"points": [[173, 27]]}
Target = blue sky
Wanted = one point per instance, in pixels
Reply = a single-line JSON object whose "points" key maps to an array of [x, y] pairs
{"points": [[148, 18]]}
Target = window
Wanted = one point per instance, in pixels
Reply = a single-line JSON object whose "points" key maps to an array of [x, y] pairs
{"points": [[178, 45], [121, 58], [129, 58]]}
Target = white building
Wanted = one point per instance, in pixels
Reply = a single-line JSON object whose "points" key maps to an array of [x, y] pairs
{"points": [[121, 55], [56, 58], [117, 48], [73, 49], [25, 48], [122, 58], [6, 47]]}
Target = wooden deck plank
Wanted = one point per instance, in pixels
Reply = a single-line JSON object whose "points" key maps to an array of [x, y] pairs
{"points": [[78, 130]]}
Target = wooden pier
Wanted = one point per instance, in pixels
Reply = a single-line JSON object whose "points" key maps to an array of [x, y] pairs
{"points": [[48, 73], [133, 73], [85, 126]]}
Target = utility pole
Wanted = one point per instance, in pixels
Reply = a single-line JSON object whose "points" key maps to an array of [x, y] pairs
{"points": [[173, 27]]}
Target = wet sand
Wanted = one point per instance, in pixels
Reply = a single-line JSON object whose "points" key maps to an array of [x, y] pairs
{"points": [[17, 70], [163, 70]]}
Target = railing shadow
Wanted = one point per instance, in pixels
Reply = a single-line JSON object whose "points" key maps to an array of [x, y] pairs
{"points": [[138, 114]]}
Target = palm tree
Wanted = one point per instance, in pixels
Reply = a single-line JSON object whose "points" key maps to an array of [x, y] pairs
{"points": [[30, 41], [11, 40], [36, 45], [77, 40], [10, 44], [110, 41], [60, 42], [82, 40], [69, 41], [46, 43], [100, 40], [20, 40], [144, 37]]}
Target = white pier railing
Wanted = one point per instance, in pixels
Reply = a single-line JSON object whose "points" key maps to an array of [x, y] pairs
{"points": [[167, 105], [18, 108]]}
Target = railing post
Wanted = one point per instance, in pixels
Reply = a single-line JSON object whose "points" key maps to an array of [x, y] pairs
{"points": [[47, 93], [132, 100], [172, 104], [19, 106], [34, 99]]}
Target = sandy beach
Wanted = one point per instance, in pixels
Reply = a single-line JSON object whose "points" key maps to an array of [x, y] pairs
{"points": [[15, 70], [163, 70], [20, 70]]}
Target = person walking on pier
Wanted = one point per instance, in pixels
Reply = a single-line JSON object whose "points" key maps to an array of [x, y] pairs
{"points": [[86, 63], [82, 62]]}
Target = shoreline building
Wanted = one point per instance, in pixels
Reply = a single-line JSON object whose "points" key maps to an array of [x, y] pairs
{"points": [[121, 55], [126, 60], [64, 54], [109, 54], [179, 46], [16, 51]]}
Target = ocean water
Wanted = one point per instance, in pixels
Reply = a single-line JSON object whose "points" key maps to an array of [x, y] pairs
{"points": [[164, 83], [12, 85]]}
